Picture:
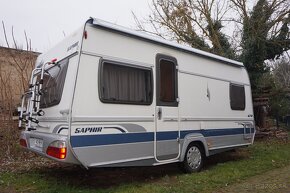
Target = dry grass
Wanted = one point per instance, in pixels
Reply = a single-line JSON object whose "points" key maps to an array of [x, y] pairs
{"points": [[13, 156]]}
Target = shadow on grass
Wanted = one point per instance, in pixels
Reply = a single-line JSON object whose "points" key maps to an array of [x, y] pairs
{"points": [[103, 178], [108, 177], [233, 155]]}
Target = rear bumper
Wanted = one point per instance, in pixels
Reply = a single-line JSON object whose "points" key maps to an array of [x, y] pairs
{"points": [[48, 138]]}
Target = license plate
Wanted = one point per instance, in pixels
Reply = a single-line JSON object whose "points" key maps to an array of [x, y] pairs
{"points": [[36, 143]]}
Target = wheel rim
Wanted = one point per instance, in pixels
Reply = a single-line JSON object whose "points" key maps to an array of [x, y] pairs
{"points": [[193, 157]]}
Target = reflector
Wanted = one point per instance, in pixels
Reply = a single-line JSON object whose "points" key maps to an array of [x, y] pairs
{"points": [[85, 34], [53, 60], [23, 142]]}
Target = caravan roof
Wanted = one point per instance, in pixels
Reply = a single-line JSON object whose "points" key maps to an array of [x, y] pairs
{"points": [[113, 27]]}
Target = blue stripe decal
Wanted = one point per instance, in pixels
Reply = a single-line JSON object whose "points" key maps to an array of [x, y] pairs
{"points": [[109, 139], [166, 135]]}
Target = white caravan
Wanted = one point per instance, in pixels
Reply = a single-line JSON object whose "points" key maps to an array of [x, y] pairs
{"points": [[108, 96]]}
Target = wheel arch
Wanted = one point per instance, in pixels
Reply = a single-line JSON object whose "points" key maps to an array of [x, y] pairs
{"points": [[194, 138]]}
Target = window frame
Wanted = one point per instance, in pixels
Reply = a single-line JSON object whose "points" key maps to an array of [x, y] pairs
{"points": [[100, 84], [62, 88], [159, 102], [230, 89]]}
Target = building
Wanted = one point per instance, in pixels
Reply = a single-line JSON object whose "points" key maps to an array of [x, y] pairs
{"points": [[15, 69]]}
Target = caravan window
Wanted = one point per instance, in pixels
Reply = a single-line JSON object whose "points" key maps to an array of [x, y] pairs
{"points": [[167, 81], [53, 82], [237, 97], [166, 78], [125, 84]]}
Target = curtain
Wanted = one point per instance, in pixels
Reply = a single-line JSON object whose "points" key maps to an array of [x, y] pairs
{"points": [[126, 84]]}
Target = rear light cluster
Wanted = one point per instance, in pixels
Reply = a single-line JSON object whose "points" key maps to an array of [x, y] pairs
{"points": [[57, 149]]}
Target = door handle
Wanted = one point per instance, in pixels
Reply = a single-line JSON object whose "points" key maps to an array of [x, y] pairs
{"points": [[159, 113]]}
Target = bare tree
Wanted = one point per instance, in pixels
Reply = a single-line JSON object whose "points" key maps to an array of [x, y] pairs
{"points": [[15, 69], [194, 22], [6, 100], [202, 24], [281, 73], [20, 60]]}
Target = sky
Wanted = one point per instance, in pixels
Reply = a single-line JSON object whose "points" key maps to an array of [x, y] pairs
{"points": [[47, 22]]}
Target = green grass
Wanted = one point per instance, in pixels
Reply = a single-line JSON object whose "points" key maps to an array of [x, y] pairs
{"points": [[222, 170]]}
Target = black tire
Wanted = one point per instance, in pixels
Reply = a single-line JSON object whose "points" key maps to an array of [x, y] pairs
{"points": [[193, 159]]}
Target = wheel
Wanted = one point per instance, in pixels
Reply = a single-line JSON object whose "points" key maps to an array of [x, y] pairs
{"points": [[193, 159]]}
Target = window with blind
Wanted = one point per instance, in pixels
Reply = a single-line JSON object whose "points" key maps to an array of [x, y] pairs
{"points": [[125, 84]]}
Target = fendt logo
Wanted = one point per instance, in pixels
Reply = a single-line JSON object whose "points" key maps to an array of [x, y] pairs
{"points": [[88, 130]]}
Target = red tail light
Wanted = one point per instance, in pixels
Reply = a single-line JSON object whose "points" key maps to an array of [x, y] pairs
{"points": [[23, 142], [57, 149]]}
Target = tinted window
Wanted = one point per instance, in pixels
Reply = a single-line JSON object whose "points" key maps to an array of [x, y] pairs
{"points": [[237, 97], [166, 77], [53, 82], [125, 84], [167, 81]]}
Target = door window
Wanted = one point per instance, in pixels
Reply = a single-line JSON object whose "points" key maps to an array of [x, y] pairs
{"points": [[166, 81]]}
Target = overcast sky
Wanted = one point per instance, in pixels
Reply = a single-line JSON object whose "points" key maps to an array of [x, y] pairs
{"points": [[46, 22]]}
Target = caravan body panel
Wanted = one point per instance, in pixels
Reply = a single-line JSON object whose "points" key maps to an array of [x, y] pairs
{"points": [[188, 96]]}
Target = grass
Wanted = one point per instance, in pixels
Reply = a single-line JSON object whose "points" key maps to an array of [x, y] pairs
{"points": [[222, 170]]}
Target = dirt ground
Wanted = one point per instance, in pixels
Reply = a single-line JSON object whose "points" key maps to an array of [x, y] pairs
{"points": [[277, 181]]}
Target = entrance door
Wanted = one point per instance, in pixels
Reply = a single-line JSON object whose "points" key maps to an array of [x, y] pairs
{"points": [[167, 117]]}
